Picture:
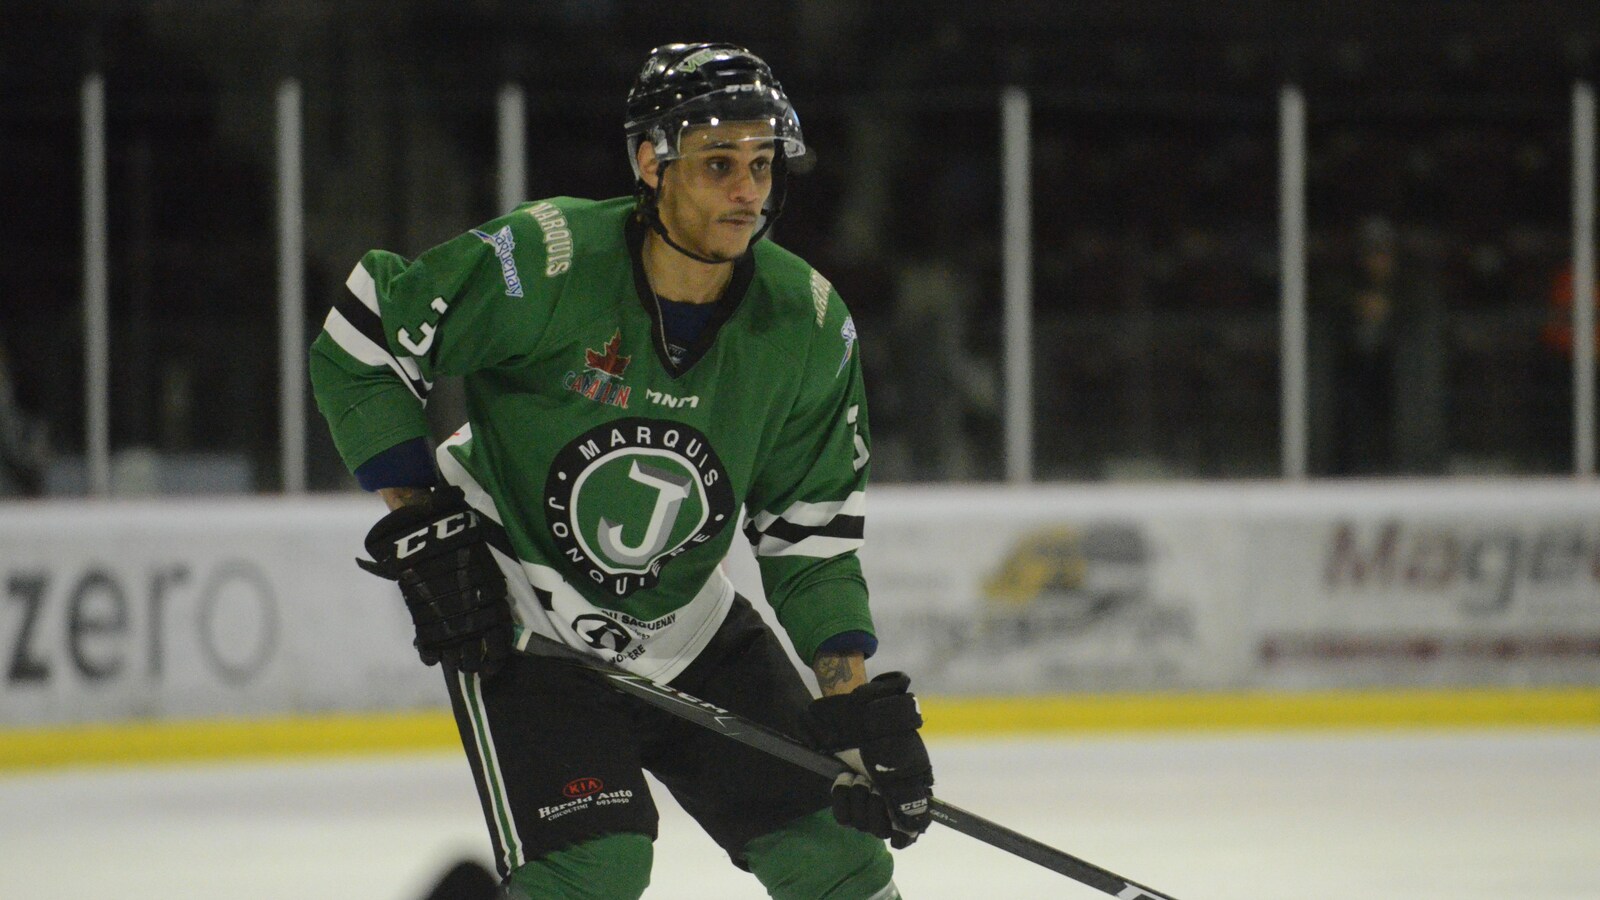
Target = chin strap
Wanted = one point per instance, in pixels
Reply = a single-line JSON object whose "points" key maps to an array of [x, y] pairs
{"points": [[649, 205], [653, 217]]}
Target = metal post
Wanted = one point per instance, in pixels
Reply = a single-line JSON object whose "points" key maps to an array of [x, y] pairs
{"points": [[1292, 291], [513, 148], [1583, 278], [1017, 228], [96, 296], [291, 292]]}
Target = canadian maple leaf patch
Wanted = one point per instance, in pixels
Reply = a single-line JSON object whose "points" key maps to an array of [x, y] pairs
{"points": [[609, 362]]}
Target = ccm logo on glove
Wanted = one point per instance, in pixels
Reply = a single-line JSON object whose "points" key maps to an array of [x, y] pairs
{"points": [[874, 730], [437, 551], [442, 529]]}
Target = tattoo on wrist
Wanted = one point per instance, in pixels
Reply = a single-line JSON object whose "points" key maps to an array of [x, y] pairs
{"points": [[834, 670], [403, 496]]}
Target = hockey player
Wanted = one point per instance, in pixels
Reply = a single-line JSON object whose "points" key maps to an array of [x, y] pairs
{"points": [[637, 372]]}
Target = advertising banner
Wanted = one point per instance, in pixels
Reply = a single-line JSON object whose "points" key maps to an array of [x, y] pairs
{"points": [[135, 610], [1010, 592], [1426, 597], [1236, 586], [126, 610]]}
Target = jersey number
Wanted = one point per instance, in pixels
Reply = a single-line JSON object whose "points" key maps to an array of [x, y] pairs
{"points": [[416, 347], [861, 446]]}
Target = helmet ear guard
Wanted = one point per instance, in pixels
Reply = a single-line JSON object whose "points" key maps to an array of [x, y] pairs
{"points": [[657, 138]]}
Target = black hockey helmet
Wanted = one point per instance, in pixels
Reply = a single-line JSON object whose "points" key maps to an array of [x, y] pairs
{"points": [[683, 85], [701, 84]]}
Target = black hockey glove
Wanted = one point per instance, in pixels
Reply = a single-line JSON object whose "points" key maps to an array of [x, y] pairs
{"points": [[874, 729], [451, 583]]}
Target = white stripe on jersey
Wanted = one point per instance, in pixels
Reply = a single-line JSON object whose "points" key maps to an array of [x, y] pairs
{"points": [[501, 814], [358, 345], [364, 287], [814, 515]]}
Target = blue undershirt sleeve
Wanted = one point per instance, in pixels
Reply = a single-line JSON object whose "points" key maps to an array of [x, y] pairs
{"points": [[850, 642], [408, 464]]}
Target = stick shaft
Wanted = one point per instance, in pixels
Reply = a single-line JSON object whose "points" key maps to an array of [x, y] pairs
{"points": [[731, 725]]}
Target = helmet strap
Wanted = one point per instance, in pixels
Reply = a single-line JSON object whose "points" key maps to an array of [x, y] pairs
{"points": [[650, 198]]}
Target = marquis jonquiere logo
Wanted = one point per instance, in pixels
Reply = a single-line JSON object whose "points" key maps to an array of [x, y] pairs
{"points": [[601, 378], [624, 499]]}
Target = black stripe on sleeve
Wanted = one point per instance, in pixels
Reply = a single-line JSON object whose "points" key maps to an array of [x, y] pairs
{"points": [[852, 527], [363, 319], [367, 322]]}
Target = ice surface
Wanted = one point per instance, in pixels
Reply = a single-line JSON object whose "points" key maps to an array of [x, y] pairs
{"points": [[1457, 815]]}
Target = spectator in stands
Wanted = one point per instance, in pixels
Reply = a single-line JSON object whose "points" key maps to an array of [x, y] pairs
{"points": [[944, 379], [1380, 324], [1557, 331], [22, 441], [1547, 435]]}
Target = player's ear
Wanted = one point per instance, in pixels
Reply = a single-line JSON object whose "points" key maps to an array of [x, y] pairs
{"points": [[649, 165]]}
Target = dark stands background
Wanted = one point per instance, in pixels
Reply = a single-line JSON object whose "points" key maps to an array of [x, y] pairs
{"points": [[1439, 134]]}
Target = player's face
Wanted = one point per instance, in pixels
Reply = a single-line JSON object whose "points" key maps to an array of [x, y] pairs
{"points": [[715, 190]]}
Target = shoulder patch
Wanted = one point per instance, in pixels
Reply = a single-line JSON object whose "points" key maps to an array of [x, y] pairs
{"points": [[820, 287], [557, 237], [848, 335], [503, 244]]}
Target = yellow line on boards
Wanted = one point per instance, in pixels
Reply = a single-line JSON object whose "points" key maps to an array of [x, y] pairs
{"points": [[333, 735], [154, 741], [1273, 711]]}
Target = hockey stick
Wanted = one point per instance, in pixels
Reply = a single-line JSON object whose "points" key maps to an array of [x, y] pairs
{"points": [[714, 718]]}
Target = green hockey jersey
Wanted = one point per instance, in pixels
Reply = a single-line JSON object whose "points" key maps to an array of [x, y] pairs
{"points": [[618, 476]]}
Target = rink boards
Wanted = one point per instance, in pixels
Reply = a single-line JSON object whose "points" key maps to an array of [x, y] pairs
{"points": [[215, 627]]}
